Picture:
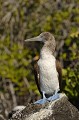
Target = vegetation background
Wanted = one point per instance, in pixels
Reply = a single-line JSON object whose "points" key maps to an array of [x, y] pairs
{"points": [[22, 19]]}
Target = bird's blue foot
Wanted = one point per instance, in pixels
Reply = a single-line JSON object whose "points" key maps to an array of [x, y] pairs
{"points": [[51, 98], [41, 101], [54, 97]]}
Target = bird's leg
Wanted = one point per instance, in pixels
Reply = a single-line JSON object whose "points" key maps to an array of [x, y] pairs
{"points": [[42, 101], [56, 92], [44, 97], [55, 96]]}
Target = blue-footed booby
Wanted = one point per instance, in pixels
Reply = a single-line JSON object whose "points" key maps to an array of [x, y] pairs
{"points": [[47, 69]]}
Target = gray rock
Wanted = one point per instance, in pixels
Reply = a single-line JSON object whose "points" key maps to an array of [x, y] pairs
{"points": [[2, 117], [60, 109]]}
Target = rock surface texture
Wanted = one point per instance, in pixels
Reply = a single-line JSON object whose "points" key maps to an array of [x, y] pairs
{"points": [[60, 109]]}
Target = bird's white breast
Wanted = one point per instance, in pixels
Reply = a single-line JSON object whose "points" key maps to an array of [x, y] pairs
{"points": [[48, 74]]}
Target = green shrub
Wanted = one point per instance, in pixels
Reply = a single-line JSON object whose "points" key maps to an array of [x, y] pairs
{"points": [[70, 58]]}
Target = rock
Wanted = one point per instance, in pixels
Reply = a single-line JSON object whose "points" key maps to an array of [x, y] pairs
{"points": [[15, 111], [60, 109], [2, 117]]}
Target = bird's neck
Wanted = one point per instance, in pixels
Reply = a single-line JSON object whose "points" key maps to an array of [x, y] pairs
{"points": [[45, 53]]}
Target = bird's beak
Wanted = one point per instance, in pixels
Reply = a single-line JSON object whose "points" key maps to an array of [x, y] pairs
{"points": [[34, 39]]}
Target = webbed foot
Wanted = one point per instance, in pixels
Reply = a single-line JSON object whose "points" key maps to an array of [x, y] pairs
{"points": [[41, 101], [54, 97], [51, 98]]}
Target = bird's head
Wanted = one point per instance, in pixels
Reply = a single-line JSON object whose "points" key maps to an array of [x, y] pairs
{"points": [[43, 37], [46, 37]]}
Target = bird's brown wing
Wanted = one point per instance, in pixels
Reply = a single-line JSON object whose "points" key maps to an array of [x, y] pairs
{"points": [[59, 70], [36, 72]]}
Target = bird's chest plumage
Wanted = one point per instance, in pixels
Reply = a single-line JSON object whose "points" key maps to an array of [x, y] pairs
{"points": [[48, 74]]}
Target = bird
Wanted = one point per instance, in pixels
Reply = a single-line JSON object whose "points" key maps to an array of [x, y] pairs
{"points": [[48, 71]]}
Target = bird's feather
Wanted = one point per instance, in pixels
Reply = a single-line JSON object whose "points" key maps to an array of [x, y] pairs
{"points": [[59, 70], [37, 77]]}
